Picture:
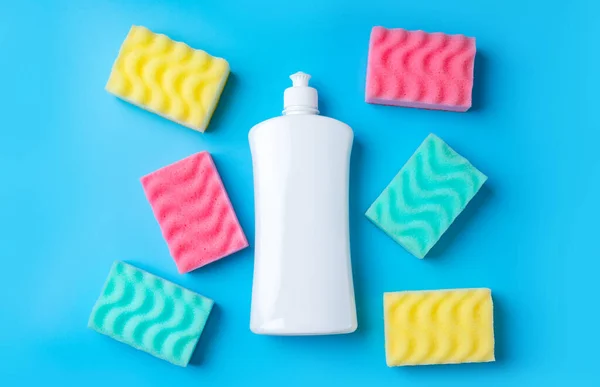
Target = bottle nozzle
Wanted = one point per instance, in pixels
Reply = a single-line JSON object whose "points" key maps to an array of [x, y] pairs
{"points": [[300, 79], [300, 98]]}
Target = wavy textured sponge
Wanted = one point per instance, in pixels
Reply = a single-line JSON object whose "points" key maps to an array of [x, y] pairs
{"points": [[150, 314], [420, 70], [439, 327], [425, 197], [168, 78], [194, 212]]}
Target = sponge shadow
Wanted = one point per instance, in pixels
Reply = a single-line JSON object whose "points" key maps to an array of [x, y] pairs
{"points": [[216, 122], [462, 221], [479, 82], [500, 320], [208, 336]]}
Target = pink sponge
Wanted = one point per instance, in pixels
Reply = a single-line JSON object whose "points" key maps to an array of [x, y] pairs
{"points": [[194, 212], [420, 70]]}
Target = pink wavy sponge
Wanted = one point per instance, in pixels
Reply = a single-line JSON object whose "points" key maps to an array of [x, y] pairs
{"points": [[420, 70], [194, 212]]}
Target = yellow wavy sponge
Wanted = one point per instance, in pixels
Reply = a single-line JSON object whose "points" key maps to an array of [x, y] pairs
{"points": [[168, 78], [438, 327]]}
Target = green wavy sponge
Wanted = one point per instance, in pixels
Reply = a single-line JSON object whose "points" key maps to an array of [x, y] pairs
{"points": [[150, 314], [425, 197]]}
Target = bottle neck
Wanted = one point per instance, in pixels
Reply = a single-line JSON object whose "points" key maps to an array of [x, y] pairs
{"points": [[296, 110]]}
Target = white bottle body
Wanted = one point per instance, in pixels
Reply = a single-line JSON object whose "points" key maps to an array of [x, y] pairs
{"points": [[302, 270]]}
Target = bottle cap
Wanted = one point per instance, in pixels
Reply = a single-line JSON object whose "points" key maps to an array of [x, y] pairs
{"points": [[300, 98]]}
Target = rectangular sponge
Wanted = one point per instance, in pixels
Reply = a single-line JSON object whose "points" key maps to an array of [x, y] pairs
{"points": [[168, 78], [438, 327], [194, 212], [425, 197], [150, 314], [420, 70]]}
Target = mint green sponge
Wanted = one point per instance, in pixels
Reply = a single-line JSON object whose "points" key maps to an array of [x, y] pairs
{"points": [[150, 314], [425, 197]]}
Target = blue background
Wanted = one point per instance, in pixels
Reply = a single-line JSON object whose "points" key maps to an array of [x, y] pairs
{"points": [[71, 156]]}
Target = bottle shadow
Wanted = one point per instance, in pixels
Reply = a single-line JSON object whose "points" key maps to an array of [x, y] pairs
{"points": [[358, 255]]}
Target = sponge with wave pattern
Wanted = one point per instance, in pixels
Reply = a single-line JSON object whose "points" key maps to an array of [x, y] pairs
{"points": [[194, 212], [168, 78], [419, 69], [439, 327], [425, 197], [150, 314]]}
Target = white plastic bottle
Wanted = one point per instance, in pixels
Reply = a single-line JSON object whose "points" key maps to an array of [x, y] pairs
{"points": [[302, 271]]}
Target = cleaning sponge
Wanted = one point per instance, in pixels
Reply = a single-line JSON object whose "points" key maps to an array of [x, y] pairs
{"points": [[439, 327], [150, 314], [168, 78], [425, 197], [194, 212], [421, 70]]}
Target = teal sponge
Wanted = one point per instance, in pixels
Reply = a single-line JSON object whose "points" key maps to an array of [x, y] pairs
{"points": [[150, 314], [425, 197]]}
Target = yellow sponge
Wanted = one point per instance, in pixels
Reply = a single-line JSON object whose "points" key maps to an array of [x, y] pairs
{"points": [[438, 327], [168, 78]]}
